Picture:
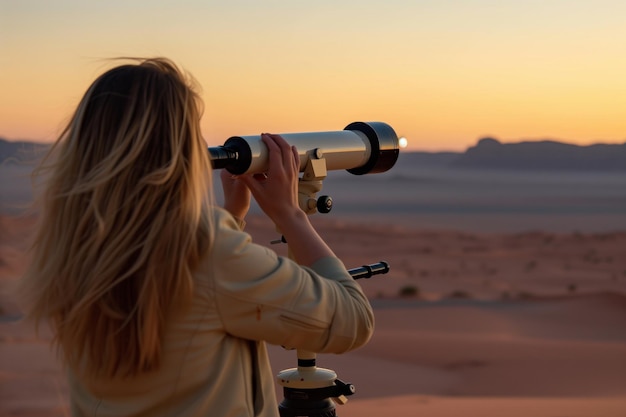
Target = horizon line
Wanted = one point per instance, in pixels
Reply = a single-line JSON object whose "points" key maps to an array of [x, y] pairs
{"points": [[409, 148]]}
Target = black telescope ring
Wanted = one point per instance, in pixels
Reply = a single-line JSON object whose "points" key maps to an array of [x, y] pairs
{"points": [[384, 147], [244, 155]]}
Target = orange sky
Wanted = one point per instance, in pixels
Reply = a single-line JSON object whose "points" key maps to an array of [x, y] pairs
{"points": [[442, 73]]}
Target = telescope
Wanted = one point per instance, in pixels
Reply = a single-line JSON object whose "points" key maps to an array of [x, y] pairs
{"points": [[361, 148]]}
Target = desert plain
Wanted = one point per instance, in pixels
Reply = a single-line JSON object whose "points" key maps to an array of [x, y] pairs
{"points": [[501, 306]]}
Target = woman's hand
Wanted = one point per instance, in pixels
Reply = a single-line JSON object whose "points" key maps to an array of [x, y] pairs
{"points": [[236, 195], [276, 191]]}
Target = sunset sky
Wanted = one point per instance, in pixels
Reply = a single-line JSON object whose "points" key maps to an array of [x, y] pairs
{"points": [[442, 73]]}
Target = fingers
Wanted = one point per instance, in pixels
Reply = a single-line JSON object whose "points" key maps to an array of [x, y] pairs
{"points": [[276, 190], [283, 161], [296, 158], [279, 151]]}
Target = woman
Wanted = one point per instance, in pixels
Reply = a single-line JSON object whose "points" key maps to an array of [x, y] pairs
{"points": [[160, 305]]}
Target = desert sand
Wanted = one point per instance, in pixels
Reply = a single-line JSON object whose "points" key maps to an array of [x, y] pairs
{"points": [[467, 324]]}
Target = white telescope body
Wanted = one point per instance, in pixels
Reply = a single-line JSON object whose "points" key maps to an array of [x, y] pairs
{"points": [[361, 148]]}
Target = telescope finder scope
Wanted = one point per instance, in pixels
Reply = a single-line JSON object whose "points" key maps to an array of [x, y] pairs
{"points": [[361, 148]]}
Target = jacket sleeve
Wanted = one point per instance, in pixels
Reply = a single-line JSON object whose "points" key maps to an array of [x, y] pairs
{"points": [[261, 296]]}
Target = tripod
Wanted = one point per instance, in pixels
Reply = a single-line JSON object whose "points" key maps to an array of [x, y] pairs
{"points": [[310, 391]]}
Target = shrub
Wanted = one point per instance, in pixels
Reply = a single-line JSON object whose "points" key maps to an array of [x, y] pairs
{"points": [[460, 294], [409, 291]]}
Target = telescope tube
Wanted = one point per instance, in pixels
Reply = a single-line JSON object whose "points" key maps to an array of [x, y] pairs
{"points": [[361, 148]]}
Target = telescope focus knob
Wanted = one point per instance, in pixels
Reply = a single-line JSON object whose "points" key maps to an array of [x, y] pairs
{"points": [[324, 204]]}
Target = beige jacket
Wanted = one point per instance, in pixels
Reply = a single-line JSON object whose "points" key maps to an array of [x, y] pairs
{"points": [[215, 361]]}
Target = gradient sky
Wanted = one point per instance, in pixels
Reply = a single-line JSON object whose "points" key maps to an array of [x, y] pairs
{"points": [[443, 73]]}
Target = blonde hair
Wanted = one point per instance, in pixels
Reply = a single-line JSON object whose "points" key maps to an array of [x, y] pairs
{"points": [[124, 220]]}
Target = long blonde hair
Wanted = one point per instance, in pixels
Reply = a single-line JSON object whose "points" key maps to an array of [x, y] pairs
{"points": [[124, 219]]}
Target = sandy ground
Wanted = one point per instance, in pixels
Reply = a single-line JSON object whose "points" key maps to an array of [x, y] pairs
{"points": [[467, 324]]}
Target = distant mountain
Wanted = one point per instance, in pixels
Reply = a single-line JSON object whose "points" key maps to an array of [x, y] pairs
{"points": [[21, 151], [490, 153], [428, 159]]}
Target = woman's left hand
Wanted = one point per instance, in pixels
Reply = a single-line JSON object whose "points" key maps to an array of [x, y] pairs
{"points": [[236, 195]]}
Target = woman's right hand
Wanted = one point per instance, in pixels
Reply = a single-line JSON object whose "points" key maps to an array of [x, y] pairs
{"points": [[276, 191], [277, 194]]}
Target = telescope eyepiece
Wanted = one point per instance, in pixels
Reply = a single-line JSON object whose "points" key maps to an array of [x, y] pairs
{"points": [[243, 152], [223, 156]]}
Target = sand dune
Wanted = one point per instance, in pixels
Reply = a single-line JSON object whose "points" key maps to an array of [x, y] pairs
{"points": [[517, 324], [431, 406]]}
